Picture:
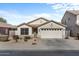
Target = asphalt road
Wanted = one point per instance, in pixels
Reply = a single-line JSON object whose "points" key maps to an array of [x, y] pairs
{"points": [[41, 53]]}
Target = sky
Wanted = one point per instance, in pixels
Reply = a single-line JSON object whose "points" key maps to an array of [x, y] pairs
{"points": [[17, 13]]}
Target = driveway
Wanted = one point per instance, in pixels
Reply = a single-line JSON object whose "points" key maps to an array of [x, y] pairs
{"points": [[61, 44], [42, 44]]}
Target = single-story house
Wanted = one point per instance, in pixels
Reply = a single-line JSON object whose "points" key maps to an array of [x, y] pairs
{"points": [[6, 29], [43, 28]]}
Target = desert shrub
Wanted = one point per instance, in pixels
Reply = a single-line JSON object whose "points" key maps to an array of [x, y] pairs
{"points": [[20, 38], [66, 37], [16, 37], [26, 38]]}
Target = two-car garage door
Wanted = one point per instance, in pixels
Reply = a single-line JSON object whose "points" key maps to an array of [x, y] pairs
{"points": [[52, 33]]}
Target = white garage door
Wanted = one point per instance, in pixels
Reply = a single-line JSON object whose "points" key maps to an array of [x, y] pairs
{"points": [[51, 33]]}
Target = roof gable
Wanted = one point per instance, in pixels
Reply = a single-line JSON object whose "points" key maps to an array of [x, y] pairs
{"points": [[33, 23], [38, 21], [54, 22], [24, 24]]}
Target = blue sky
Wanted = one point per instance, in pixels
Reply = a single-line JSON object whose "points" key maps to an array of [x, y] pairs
{"points": [[24, 12]]}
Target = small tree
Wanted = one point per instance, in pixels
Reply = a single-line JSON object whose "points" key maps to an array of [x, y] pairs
{"points": [[3, 20]]}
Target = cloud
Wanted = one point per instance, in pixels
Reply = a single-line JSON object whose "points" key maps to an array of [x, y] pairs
{"points": [[60, 8], [65, 6], [11, 17], [15, 19]]}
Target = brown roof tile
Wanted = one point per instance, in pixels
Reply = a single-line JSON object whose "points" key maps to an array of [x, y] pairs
{"points": [[6, 25]]}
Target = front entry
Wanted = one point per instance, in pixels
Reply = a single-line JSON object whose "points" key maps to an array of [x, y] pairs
{"points": [[34, 30]]}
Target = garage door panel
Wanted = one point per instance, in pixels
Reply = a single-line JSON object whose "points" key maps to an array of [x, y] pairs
{"points": [[51, 34]]}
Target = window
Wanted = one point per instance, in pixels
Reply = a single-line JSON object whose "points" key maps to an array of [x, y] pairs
{"points": [[50, 29], [3, 31], [45, 29], [60, 29], [42, 29], [68, 18], [24, 31]]}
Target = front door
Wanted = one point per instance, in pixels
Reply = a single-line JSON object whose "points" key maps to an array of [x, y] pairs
{"points": [[34, 30]]}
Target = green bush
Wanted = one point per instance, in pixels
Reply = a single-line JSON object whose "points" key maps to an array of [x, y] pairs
{"points": [[15, 37]]}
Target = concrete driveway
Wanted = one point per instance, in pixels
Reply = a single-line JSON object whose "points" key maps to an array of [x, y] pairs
{"points": [[42, 44], [61, 44]]}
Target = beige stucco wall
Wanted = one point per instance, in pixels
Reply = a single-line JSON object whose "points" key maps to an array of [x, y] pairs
{"points": [[23, 26]]}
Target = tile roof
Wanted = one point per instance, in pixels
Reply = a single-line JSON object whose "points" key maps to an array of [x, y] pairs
{"points": [[6, 25]]}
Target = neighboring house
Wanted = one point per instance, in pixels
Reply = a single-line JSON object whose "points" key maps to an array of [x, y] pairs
{"points": [[43, 28], [6, 29], [71, 19]]}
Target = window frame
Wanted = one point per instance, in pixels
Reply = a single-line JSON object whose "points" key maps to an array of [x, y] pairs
{"points": [[3, 31], [24, 31]]}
